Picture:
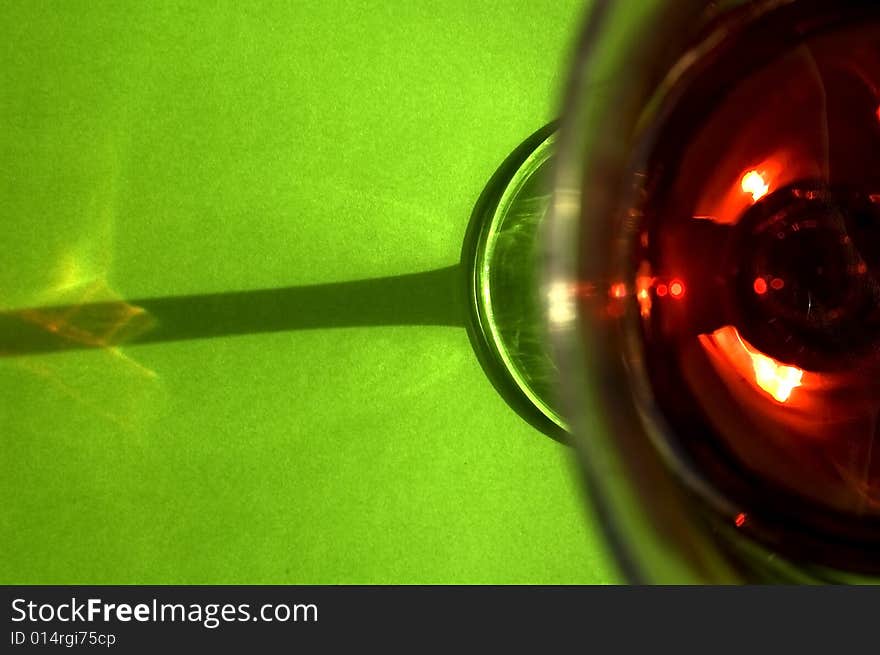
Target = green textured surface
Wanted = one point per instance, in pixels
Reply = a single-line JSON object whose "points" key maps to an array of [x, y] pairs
{"points": [[160, 149]]}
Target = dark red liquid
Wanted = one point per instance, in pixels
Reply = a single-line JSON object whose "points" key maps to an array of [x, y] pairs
{"points": [[763, 208]]}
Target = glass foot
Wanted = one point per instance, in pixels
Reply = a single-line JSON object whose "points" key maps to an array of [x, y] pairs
{"points": [[502, 276]]}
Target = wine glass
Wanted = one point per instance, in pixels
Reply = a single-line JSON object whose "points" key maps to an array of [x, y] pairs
{"points": [[712, 285]]}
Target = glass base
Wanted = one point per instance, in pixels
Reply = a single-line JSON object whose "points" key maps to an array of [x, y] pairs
{"points": [[500, 261]]}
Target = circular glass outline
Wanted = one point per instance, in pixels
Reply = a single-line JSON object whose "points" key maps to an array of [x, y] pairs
{"points": [[498, 200]]}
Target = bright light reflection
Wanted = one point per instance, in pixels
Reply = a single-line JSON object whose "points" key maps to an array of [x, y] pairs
{"points": [[560, 306], [774, 378], [755, 184]]}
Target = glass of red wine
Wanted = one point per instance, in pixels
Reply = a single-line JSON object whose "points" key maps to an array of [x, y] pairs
{"points": [[712, 286]]}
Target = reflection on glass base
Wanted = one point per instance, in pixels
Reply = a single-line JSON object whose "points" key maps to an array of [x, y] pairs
{"points": [[502, 274]]}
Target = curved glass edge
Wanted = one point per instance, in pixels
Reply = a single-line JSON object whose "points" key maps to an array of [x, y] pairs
{"points": [[478, 261], [486, 275]]}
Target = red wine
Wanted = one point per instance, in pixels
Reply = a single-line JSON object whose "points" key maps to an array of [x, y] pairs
{"points": [[757, 264]]}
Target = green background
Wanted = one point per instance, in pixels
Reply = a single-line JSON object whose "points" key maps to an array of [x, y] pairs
{"points": [[166, 149]]}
